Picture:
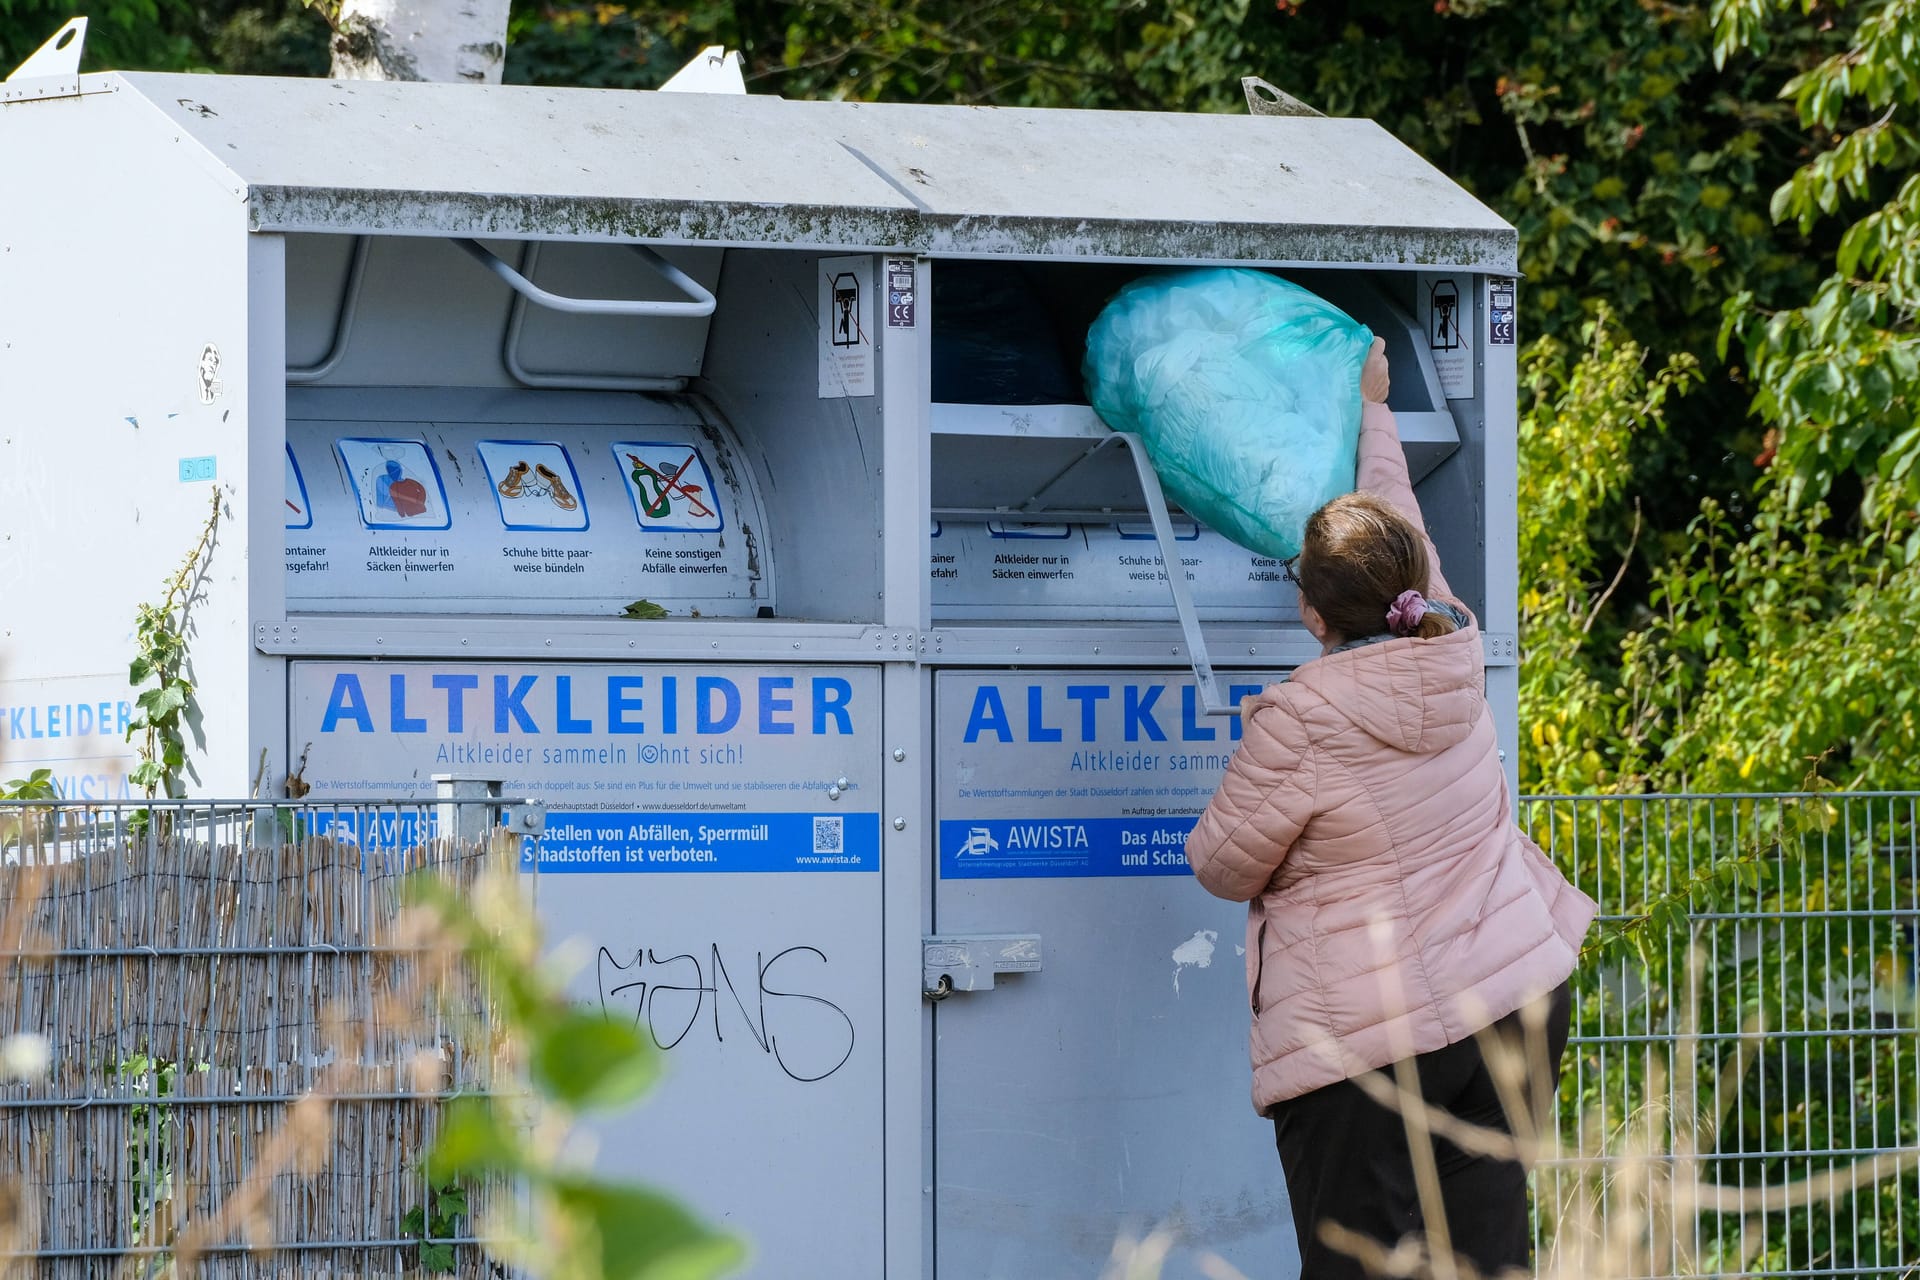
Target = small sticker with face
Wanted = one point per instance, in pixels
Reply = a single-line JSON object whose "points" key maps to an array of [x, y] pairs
{"points": [[209, 374]]}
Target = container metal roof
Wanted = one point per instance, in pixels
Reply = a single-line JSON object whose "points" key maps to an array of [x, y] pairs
{"points": [[603, 164]]}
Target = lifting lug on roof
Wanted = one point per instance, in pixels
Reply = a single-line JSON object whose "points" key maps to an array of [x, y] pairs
{"points": [[1264, 99], [58, 58], [713, 70]]}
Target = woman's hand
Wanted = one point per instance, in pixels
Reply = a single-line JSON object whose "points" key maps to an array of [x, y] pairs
{"points": [[1373, 374]]}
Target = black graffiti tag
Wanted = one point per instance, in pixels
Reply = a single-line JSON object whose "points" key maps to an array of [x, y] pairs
{"points": [[808, 1036]]}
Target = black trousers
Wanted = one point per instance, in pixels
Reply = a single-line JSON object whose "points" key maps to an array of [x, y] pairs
{"points": [[1347, 1160]]}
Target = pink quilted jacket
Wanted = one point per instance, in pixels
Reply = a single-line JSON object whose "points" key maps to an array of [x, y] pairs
{"points": [[1394, 907]]}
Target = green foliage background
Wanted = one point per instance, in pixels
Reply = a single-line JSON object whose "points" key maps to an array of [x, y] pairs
{"points": [[1717, 213], [1719, 207]]}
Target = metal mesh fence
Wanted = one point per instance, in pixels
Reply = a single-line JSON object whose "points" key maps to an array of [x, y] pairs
{"points": [[1741, 1095], [1741, 1092], [196, 970]]}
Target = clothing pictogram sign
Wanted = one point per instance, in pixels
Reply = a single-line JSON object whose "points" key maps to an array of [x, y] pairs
{"points": [[671, 488], [396, 483], [534, 484]]}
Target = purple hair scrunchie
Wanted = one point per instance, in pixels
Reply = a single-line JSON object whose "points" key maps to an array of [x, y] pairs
{"points": [[1405, 613]]}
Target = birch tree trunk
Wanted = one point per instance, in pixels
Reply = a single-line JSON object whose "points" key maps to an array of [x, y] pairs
{"points": [[457, 40]]}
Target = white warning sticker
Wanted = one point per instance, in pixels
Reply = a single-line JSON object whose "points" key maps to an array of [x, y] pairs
{"points": [[846, 327], [1446, 306]]}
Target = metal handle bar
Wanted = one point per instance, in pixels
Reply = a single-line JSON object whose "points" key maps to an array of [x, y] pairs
{"points": [[700, 303]]}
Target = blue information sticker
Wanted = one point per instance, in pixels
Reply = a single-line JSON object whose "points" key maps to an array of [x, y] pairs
{"points": [[1012, 848], [704, 841]]}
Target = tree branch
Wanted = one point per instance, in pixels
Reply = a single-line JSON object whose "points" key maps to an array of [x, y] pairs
{"points": [[1613, 586]]}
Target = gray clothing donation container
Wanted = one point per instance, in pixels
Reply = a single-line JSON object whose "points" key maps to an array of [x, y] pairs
{"points": [[877, 831]]}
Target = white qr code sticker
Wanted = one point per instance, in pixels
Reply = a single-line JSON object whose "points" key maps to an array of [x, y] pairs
{"points": [[829, 835]]}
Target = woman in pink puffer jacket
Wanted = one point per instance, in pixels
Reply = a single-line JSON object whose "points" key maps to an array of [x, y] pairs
{"points": [[1395, 910]]}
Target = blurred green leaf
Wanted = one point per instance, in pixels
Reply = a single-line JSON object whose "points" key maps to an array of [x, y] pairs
{"points": [[644, 1236], [474, 1139], [592, 1062]]}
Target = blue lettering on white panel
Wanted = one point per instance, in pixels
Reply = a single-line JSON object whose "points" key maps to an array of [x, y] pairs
{"points": [[651, 842], [456, 688], [397, 693], [511, 704], [370, 829], [1070, 775], [347, 700], [706, 688], [25, 721], [831, 696], [1012, 848], [1014, 712], [1139, 709], [424, 701]]}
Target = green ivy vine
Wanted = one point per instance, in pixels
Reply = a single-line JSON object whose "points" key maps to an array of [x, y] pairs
{"points": [[160, 637]]}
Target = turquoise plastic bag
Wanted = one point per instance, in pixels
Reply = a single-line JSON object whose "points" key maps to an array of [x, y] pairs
{"points": [[1246, 389]]}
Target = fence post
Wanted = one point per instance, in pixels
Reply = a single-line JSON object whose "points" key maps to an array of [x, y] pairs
{"points": [[460, 815]]}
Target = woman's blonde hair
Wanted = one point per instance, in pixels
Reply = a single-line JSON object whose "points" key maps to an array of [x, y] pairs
{"points": [[1358, 556]]}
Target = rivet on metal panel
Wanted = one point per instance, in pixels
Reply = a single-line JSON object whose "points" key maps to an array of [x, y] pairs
{"points": [[1250, 650], [1503, 754], [899, 824], [796, 644], [549, 644], [899, 755], [1016, 648], [842, 783], [379, 639], [716, 644], [1096, 648], [833, 793], [463, 640]]}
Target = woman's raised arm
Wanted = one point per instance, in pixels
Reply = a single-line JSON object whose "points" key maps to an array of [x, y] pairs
{"points": [[1382, 469]]}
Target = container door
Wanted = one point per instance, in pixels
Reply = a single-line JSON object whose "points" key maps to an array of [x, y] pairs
{"points": [[711, 869], [1105, 1094]]}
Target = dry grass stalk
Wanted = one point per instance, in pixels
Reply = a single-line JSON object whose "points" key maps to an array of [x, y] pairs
{"points": [[1623, 1219], [1145, 1258]]}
